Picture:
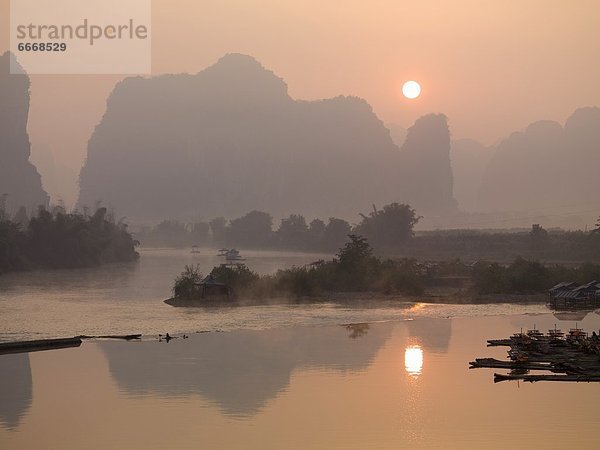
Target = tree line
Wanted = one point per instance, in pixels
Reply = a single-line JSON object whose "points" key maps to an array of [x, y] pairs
{"points": [[389, 227], [355, 268], [57, 239], [390, 230]]}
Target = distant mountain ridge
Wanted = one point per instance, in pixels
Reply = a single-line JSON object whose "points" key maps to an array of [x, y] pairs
{"points": [[545, 166], [230, 139], [20, 182]]}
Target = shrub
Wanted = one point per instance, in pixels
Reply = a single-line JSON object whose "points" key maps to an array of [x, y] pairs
{"points": [[186, 284], [238, 277]]}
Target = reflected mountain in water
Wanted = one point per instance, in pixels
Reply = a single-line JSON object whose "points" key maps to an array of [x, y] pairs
{"points": [[239, 371], [433, 334], [15, 389]]}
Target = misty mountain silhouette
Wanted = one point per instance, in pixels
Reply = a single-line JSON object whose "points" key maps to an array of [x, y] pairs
{"points": [[239, 371], [230, 139], [426, 161], [469, 160], [19, 179], [545, 166]]}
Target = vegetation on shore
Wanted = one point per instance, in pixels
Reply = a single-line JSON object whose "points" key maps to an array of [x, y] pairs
{"points": [[355, 269], [57, 239], [528, 277]]}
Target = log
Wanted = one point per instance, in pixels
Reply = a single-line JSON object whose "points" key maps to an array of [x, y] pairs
{"points": [[497, 364], [127, 337]]}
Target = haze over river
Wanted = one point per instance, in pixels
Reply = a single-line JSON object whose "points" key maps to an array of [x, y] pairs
{"points": [[128, 298]]}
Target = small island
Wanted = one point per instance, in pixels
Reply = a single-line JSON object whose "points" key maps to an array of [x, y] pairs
{"points": [[356, 274]]}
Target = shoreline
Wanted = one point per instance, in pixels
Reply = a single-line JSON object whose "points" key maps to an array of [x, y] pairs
{"points": [[457, 298]]}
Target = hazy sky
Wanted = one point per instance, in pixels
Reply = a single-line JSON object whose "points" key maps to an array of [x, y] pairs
{"points": [[491, 66]]}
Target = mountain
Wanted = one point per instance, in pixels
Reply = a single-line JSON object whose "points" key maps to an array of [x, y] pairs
{"points": [[230, 139], [426, 163], [20, 182], [397, 133], [547, 166], [469, 160]]}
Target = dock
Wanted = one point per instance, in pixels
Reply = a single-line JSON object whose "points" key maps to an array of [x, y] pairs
{"points": [[574, 356]]}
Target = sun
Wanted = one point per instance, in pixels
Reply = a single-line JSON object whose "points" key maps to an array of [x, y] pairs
{"points": [[411, 89]]}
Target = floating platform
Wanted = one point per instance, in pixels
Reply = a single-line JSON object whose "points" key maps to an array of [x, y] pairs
{"points": [[498, 377], [38, 345], [572, 356]]}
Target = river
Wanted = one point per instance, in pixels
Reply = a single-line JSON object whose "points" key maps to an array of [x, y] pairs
{"points": [[128, 298]]}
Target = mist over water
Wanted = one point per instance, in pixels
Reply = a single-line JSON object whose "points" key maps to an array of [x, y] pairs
{"points": [[128, 298]]}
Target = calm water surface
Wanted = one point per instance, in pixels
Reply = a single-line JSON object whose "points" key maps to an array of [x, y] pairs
{"points": [[385, 385], [281, 377], [128, 298]]}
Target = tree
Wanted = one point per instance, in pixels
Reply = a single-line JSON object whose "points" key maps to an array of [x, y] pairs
{"points": [[11, 243], [356, 264], [389, 227], [335, 234], [255, 229], [21, 217], [71, 240], [538, 237], [355, 252], [316, 232], [186, 284], [170, 233], [293, 232], [238, 277]]}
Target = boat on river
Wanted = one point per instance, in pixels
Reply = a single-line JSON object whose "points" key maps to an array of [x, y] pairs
{"points": [[232, 256]]}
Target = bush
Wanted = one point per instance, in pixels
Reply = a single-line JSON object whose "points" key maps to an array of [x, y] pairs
{"points": [[186, 284], [238, 277], [56, 239]]}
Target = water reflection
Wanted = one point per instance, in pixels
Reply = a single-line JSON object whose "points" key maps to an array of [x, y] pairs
{"points": [[571, 315], [239, 371], [15, 389], [413, 360], [357, 330], [433, 334]]}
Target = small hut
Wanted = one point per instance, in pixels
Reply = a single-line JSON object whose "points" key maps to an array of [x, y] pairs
{"points": [[211, 288]]}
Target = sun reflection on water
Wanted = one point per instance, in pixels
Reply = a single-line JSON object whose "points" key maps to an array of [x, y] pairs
{"points": [[413, 360]]}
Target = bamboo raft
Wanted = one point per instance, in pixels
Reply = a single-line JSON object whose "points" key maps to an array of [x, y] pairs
{"points": [[572, 357], [53, 344], [38, 345], [534, 378]]}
